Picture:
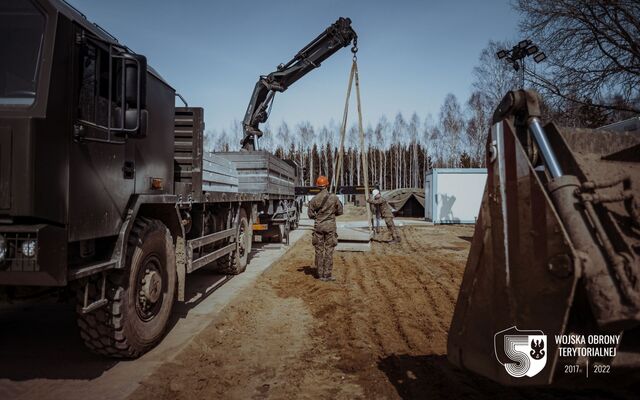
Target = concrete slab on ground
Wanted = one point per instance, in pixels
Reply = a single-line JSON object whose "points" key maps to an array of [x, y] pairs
{"points": [[396, 221], [353, 246], [353, 234], [353, 239]]}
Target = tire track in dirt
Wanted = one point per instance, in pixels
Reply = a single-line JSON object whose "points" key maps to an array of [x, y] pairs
{"points": [[444, 274], [388, 336], [375, 338], [428, 296], [432, 297], [412, 308], [449, 284], [439, 276], [390, 292], [358, 329], [432, 289], [409, 240]]}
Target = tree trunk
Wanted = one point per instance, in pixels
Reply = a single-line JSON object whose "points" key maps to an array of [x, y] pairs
{"points": [[358, 167], [311, 172]]}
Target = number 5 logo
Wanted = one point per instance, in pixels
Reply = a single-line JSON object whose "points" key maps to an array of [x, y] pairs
{"points": [[522, 353]]}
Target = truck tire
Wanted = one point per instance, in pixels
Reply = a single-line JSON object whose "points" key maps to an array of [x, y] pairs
{"points": [[236, 262], [140, 297]]}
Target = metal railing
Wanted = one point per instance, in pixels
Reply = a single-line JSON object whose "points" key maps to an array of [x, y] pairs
{"points": [[115, 53]]}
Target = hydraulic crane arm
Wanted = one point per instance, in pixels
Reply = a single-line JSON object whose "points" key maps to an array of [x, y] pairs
{"points": [[338, 35]]}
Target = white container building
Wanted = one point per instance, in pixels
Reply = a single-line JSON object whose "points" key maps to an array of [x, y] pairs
{"points": [[454, 195]]}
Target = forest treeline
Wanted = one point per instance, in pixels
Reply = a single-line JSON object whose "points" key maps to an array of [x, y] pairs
{"points": [[399, 151]]}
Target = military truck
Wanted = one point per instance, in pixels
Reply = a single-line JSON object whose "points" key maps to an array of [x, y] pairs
{"points": [[105, 187]]}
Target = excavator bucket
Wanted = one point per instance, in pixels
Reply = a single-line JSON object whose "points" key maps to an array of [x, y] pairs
{"points": [[539, 265]]}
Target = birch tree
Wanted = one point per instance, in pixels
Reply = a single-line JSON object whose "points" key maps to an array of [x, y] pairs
{"points": [[306, 138], [452, 124], [494, 77], [412, 130], [477, 127]]}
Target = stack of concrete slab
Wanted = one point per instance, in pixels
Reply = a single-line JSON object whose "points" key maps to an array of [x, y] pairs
{"points": [[262, 172], [218, 174]]}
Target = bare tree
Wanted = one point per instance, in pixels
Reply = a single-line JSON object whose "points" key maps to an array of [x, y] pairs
{"points": [[209, 140], [352, 145], [593, 49], [371, 162], [412, 130], [477, 127], [438, 145], [399, 129], [494, 77], [382, 127], [221, 142], [325, 139], [236, 134], [426, 142], [267, 141], [452, 124], [284, 138], [306, 138]]}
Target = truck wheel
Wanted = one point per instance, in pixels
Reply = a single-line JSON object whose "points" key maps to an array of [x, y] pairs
{"points": [[140, 297], [236, 262]]}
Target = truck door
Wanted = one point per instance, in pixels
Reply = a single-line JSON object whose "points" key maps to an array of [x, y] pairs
{"points": [[100, 182]]}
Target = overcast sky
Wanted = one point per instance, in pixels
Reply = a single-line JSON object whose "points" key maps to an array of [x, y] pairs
{"points": [[412, 53]]}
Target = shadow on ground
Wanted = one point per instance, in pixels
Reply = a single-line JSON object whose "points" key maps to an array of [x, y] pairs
{"points": [[467, 238], [308, 270], [40, 340]]}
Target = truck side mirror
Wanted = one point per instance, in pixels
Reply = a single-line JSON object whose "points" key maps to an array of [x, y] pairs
{"points": [[135, 71], [133, 119], [135, 95]]}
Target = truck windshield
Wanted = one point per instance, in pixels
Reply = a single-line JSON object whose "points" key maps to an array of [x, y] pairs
{"points": [[21, 39]]}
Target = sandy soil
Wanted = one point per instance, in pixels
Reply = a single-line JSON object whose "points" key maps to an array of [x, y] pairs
{"points": [[378, 332]]}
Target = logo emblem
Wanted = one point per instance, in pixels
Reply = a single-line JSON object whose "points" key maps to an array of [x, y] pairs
{"points": [[523, 353]]}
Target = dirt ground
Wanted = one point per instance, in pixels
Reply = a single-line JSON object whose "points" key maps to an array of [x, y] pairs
{"points": [[378, 332]]}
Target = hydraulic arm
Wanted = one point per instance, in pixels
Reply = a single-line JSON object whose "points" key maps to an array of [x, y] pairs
{"points": [[338, 35]]}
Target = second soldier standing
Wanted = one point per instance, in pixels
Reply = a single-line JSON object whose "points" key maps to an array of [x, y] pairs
{"points": [[323, 208], [382, 206]]}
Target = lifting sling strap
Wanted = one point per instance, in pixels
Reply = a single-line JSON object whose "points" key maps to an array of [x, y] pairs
{"points": [[337, 168]]}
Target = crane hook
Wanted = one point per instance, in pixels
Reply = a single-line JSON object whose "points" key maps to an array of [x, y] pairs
{"points": [[354, 49]]}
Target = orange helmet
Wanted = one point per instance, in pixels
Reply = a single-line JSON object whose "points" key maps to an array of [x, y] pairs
{"points": [[322, 181]]}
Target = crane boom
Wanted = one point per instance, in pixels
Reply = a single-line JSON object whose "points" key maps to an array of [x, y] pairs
{"points": [[338, 35]]}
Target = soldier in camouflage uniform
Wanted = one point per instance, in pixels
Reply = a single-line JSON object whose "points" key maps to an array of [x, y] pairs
{"points": [[383, 207], [323, 208]]}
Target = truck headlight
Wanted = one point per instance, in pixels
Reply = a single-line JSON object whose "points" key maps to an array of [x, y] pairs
{"points": [[3, 248], [29, 248]]}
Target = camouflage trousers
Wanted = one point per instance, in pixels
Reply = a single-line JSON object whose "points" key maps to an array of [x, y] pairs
{"points": [[324, 244], [392, 227]]}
